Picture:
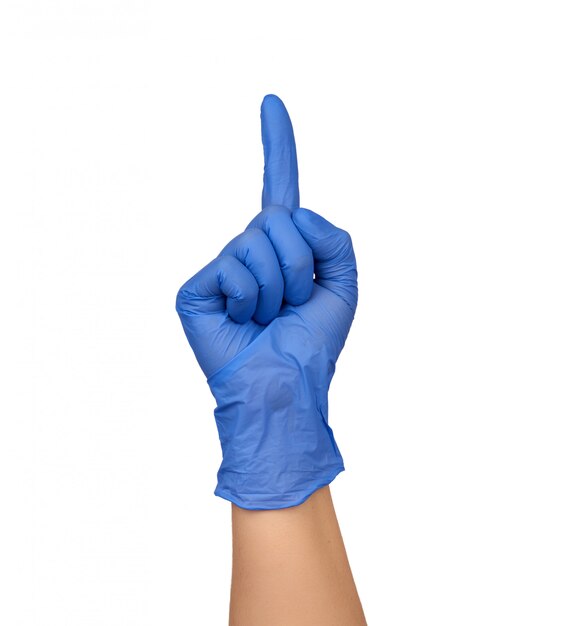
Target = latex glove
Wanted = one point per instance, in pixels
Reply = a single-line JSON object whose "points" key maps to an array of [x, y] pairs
{"points": [[267, 320]]}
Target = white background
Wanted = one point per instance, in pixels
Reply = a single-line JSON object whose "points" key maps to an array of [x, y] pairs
{"points": [[130, 154]]}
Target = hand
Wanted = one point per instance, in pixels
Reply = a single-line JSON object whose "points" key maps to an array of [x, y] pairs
{"points": [[267, 320]]}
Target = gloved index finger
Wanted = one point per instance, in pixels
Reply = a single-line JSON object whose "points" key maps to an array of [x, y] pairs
{"points": [[281, 174]]}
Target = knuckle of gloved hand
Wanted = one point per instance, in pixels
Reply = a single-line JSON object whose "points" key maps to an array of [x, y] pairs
{"points": [[346, 238], [299, 264], [251, 236], [343, 243], [183, 299], [274, 214], [227, 264], [248, 294]]}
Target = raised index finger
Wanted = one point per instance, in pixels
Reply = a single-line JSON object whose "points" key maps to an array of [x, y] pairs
{"points": [[281, 174]]}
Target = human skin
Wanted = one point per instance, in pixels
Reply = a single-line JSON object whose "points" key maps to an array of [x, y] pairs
{"points": [[290, 567]]}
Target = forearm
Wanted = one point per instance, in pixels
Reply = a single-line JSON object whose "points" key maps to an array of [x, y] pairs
{"points": [[290, 568]]}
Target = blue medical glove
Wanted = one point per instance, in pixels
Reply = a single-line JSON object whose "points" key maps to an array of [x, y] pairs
{"points": [[267, 320]]}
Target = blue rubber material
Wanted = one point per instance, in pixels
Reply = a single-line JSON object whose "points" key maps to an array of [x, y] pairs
{"points": [[267, 320]]}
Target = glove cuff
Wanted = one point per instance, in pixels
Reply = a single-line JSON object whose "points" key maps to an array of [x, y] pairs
{"points": [[295, 487], [272, 419]]}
